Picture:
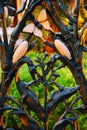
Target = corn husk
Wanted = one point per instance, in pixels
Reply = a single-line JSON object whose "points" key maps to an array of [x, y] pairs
{"points": [[62, 49], [42, 18], [20, 51], [31, 28]]}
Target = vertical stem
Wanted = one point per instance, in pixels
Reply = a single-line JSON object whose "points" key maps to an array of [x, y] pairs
{"points": [[5, 53], [5, 65], [76, 12], [45, 110], [81, 81], [45, 98]]}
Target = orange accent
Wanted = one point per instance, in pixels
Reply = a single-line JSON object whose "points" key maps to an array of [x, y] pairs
{"points": [[24, 121], [47, 48], [76, 125], [18, 3]]}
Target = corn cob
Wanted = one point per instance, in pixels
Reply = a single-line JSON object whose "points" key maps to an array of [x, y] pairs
{"points": [[62, 49], [20, 51]]}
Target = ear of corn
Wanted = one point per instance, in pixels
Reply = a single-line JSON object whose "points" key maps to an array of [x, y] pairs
{"points": [[62, 49], [20, 51]]}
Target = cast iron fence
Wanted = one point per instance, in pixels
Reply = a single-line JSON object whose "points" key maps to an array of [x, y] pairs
{"points": [[67, 43]]}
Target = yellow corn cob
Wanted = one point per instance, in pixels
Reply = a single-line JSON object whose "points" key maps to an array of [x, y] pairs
{"points": [[62, 49], [20, 51]]}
